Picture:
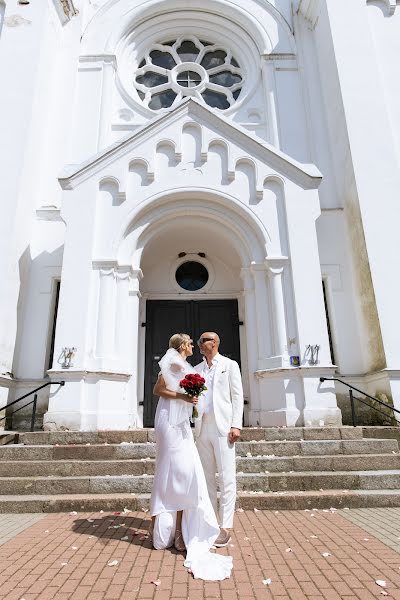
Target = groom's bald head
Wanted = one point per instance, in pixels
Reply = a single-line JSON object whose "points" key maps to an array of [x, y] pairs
{"points": [[212, 335], [209, 344]]}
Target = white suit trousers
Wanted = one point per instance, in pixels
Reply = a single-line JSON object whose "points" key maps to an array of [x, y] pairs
{"points": [[218, 455]]}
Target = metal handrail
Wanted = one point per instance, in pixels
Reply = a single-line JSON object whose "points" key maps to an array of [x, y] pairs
{"points": [[34, 402], [352, 398]]}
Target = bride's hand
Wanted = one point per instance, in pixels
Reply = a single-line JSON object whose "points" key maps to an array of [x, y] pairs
{"points": [[192, 400]]}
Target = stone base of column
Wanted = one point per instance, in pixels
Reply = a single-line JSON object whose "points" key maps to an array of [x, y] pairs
{"points": [[6, 383], [322, 417], [293, 397], [281, 418], [91, 401], [394, 381]]}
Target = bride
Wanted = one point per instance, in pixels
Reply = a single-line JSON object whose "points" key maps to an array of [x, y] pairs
{"points": [[180, 507]]}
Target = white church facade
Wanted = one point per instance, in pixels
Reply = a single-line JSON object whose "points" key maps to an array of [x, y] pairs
{"points": [[223, 165]]}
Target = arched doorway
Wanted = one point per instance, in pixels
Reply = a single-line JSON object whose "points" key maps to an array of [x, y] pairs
{"points": [[220, 233], [191, 283]]}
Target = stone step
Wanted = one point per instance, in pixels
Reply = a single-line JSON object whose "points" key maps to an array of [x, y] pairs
{"points": [[250, 482], [276, 464], [381, 432], [9, 437], [316, 448], [134, 450], [309, 501], [147, 435]]}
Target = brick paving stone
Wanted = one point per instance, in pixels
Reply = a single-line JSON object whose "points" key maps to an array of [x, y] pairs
{"points": [[31, 561]]}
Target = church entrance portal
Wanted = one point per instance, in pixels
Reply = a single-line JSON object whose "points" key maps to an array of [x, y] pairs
{"points": [[166, 317]]}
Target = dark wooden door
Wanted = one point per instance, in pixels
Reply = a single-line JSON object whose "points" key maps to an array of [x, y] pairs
{"points": [[166, 317]]}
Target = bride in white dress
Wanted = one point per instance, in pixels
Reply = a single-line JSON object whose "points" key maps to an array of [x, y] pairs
{"points": [[180, 507]]}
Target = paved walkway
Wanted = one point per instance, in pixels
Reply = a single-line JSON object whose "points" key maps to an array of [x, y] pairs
{"points": [[289, 554], [11, 524]]}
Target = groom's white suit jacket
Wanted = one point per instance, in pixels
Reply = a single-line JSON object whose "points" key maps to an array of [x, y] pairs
{"points": [[227, 396]]}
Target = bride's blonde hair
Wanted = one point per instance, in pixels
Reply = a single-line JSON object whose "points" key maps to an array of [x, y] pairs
{"points": [[178, 339]]}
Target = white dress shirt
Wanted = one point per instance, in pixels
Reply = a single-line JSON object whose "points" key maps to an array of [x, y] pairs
{"points": [[208, 373]]}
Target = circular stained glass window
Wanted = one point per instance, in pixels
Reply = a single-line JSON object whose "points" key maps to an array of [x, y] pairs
{"points": [[191, 276], [188, 67]]}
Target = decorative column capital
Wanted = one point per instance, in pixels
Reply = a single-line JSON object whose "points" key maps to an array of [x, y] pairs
{"points": [[390, 5], [106, 271], [276, 264], [135, 276], [257, 268]]}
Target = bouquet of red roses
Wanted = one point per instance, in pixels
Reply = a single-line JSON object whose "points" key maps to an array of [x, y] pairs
{"points": [[194, 385]]}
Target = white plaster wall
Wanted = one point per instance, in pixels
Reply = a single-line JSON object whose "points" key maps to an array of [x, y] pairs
{"points": [[386, 43], [22, 36], [376, 176], [36, 122], [345, 315]]}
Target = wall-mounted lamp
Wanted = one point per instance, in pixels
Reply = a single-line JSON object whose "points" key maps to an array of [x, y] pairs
{"points": [[182, 254], [69, 8], [312, 351], [66, 356]]}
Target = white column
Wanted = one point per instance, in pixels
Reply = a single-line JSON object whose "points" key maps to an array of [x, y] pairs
{"points": [[134, 298], [105, 325], [92, 106], [133, 337], [268, 75], [108, 73], [251, 337], [262, 316], [122, 315], [275, 272]]}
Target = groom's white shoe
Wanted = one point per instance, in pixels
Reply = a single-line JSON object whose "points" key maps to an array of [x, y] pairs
{"points": [[223, 539]]}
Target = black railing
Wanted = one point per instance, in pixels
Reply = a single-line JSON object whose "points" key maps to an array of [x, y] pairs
{"points": [[352, 398], [34, 402]]}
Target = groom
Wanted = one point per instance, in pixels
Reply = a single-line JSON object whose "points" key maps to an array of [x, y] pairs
{"points": [[218, 427]]}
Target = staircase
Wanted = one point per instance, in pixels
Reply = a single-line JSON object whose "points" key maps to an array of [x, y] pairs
{"points": [[277, 468]]}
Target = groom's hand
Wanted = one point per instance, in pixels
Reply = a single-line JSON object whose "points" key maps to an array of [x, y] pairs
{"points": [[233, 435]]}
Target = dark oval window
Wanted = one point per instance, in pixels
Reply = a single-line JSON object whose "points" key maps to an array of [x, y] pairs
{"points": [[191, 276]]}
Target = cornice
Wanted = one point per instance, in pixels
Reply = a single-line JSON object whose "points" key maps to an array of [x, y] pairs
{"points": [[94, 58], [48, 213], [306, 175], [390, 5], [279, 56], [303, 371], [65, 10]]}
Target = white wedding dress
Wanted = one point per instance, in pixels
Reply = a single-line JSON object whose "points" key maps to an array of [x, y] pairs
{"points": [[179, 482]]}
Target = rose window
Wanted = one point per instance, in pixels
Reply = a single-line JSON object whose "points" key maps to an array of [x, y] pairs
{"points": [[188, 67]]}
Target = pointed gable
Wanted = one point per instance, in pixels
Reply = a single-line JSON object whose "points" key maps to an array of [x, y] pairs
{"points": [[168, 128]]}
